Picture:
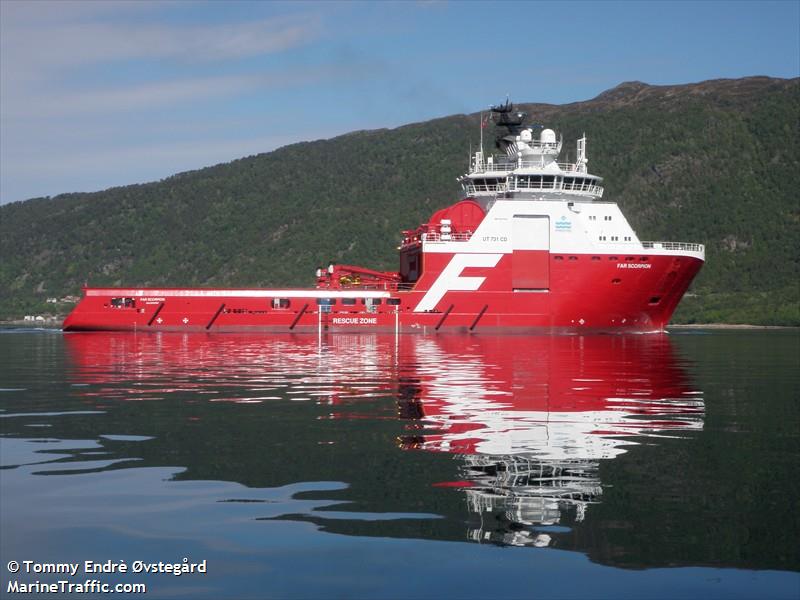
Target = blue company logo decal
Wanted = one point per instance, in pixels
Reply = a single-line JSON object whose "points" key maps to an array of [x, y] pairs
{"points": [[563, 224]]}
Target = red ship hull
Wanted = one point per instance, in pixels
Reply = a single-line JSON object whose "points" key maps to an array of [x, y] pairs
{"points": [[585, 293]]}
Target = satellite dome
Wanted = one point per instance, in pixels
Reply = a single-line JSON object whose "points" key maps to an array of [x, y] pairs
{"points": [[548, 136]]}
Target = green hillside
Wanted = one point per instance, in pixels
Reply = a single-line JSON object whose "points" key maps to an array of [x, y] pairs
{"points": [[715, 162]]}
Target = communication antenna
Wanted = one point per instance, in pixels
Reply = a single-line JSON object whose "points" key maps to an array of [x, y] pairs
{"points": [[582, 160], [481, 126]]}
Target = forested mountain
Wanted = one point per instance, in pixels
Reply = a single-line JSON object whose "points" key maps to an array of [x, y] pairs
{"points": [[715, 162]]}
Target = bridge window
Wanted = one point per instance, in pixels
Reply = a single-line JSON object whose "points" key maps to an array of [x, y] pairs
{"points": [[280, 303], [348, 301], [487, 184], [393, 301]]}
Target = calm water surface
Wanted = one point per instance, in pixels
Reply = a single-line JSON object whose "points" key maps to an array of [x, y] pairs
{"points": [[365, 466]]}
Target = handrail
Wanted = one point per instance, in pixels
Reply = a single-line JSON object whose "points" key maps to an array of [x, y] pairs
{"points": [[524, 186], [685, 246], [507, 164], [433, 236], [557, 185], [474, 187]]}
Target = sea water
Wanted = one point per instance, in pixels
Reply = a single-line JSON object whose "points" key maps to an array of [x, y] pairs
{"points": [[373, 466]]}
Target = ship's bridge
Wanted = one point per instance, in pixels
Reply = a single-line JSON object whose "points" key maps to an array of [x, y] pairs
{"points": [[487, 179], [529, 165]]}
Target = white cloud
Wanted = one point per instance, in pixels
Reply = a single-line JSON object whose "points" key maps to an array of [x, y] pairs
{"points": [[42, 11], [50, 44], [130, 98], [37, 56], [78, 78], [20, 105], [77, 44]]}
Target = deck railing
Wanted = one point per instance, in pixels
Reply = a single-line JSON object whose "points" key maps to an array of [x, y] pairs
{"points": [[433, 236], [557, 185], [436, 237], [509, 164], [473, 188], [683, 246]]}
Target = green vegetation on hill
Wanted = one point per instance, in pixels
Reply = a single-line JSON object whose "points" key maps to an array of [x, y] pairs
{"points": [[715, 162]]}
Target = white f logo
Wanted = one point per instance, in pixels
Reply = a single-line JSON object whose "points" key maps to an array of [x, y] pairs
{"points": [[450, 278]]}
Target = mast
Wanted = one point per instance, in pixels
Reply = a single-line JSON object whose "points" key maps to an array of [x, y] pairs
{"points": [[481, 126], [581, 160]]}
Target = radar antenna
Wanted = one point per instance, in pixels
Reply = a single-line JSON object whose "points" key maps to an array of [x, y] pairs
{"points": [[505, 115]]}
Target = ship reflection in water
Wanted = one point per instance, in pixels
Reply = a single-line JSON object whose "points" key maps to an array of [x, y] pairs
{"points": [[529, 420], [532, 418]]}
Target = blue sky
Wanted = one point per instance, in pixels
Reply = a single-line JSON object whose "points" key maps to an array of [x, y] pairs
{"points": [[98, 94]]}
